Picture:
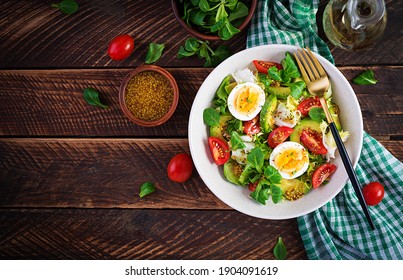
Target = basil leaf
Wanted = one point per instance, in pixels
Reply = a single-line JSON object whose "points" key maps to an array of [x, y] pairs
{"points": [[290, 68], [261, 193], [211, 117], [154, 52], [280, 252], [276, 193], [272, 174], [317, 114], [66, 6], [228, 31], [297, 89], [365, 78], [256, 158], [274, 73], [240, 11], [92, 98], [146, 189], [236, 141], [222, 53]]}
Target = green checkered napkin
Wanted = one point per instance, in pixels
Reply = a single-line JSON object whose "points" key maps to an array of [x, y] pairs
{"points": [[338, 230]]}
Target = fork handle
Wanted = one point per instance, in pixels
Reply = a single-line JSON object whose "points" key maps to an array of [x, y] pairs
{"points": [[350, 171]]}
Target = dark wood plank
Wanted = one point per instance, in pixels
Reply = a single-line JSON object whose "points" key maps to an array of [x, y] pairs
{"points": [[32, 35], [102, 173], [50, 103], [95, 173], [142, 234]]}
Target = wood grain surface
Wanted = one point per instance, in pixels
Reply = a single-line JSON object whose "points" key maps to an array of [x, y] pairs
{"points": [[50, 102], [142, 234], [70, 173]]}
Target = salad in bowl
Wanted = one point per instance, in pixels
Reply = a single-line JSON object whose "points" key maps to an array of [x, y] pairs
{"points": [[268, 137]]}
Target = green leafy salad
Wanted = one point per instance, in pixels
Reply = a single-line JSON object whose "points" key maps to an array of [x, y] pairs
{"points": [[269, 133]]}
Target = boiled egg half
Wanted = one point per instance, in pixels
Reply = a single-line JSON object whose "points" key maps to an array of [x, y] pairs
{"points": [[290, 159], [246, 100]]}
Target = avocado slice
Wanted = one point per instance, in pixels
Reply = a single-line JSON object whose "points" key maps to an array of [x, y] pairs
{"points": [[334, 111], [305, 123], [293, 189], [232, 171], [266, 115], [220, 130], [279, 91]]}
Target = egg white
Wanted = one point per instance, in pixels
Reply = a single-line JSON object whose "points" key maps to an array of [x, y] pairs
{"points": [[288, 146], [234, 93]]}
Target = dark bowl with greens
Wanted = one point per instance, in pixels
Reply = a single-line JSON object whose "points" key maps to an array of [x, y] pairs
{"points": [[214, 19]]}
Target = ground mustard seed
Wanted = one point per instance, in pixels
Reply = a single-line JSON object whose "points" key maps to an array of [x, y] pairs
{"points": [[149, 95]]}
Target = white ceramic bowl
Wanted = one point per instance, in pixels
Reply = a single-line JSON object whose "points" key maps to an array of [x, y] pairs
{"points": [[238, 197]]}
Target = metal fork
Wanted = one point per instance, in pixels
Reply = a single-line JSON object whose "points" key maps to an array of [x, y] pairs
{"points": [[317, 83]]}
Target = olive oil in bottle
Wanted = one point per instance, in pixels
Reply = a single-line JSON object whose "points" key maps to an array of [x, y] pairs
{"points": [[354, 24]]}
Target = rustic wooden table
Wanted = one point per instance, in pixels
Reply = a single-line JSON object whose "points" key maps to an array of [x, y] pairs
{"points": [[70, 173]]}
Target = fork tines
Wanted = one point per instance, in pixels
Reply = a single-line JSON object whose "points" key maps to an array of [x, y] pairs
{"points": [[313, 70]]}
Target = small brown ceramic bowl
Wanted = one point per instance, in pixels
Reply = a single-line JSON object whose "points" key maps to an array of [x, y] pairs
{"points": [[210, 37], [170, 108]]}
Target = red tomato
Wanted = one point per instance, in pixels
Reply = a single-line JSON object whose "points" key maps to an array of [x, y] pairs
{"points": [[278, 136], [252, 127], [308, 104], [312, 139], [263, 66], [373, 193], [252, 186], [322, 173], [219, 150], [121, 47], [180, 168]]}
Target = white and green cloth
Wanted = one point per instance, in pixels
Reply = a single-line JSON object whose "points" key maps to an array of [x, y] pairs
{"points": [[339, 229]]}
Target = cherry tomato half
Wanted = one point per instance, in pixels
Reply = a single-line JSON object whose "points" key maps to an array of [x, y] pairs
{"points": [[308, 104], [312, 139], [322, 173], [180, 168], [252, 127], [121, 47], [373, 193], [219, 150], [263, 66], [252, 186], [278, 136]]}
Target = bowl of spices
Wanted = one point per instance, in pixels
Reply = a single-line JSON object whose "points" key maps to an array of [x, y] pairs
{"points": [[148, 95]]}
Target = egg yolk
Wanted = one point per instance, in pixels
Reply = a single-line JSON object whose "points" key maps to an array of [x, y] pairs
{"points": [[291, 160], [246, 100]]}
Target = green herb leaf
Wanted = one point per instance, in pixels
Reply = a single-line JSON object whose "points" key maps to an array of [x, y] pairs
{"points": [[154, 52], [272, 174], [92, 98], [192, 45], [365, 78], [256, 158], [236, 141], [290, 68], [234, 125], [280, 252], [276, 193], [274, 73], [317, 114], [240, 12], [146, 189], [265, 80], [261, 193], [227, 31], [211, 117], [66, 6], [297, 89], [221, 13], [182, 53]]}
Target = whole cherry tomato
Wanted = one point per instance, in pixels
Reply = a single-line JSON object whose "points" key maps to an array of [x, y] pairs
{"points": [[121, 47], [180, 168], [373, 193]]}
